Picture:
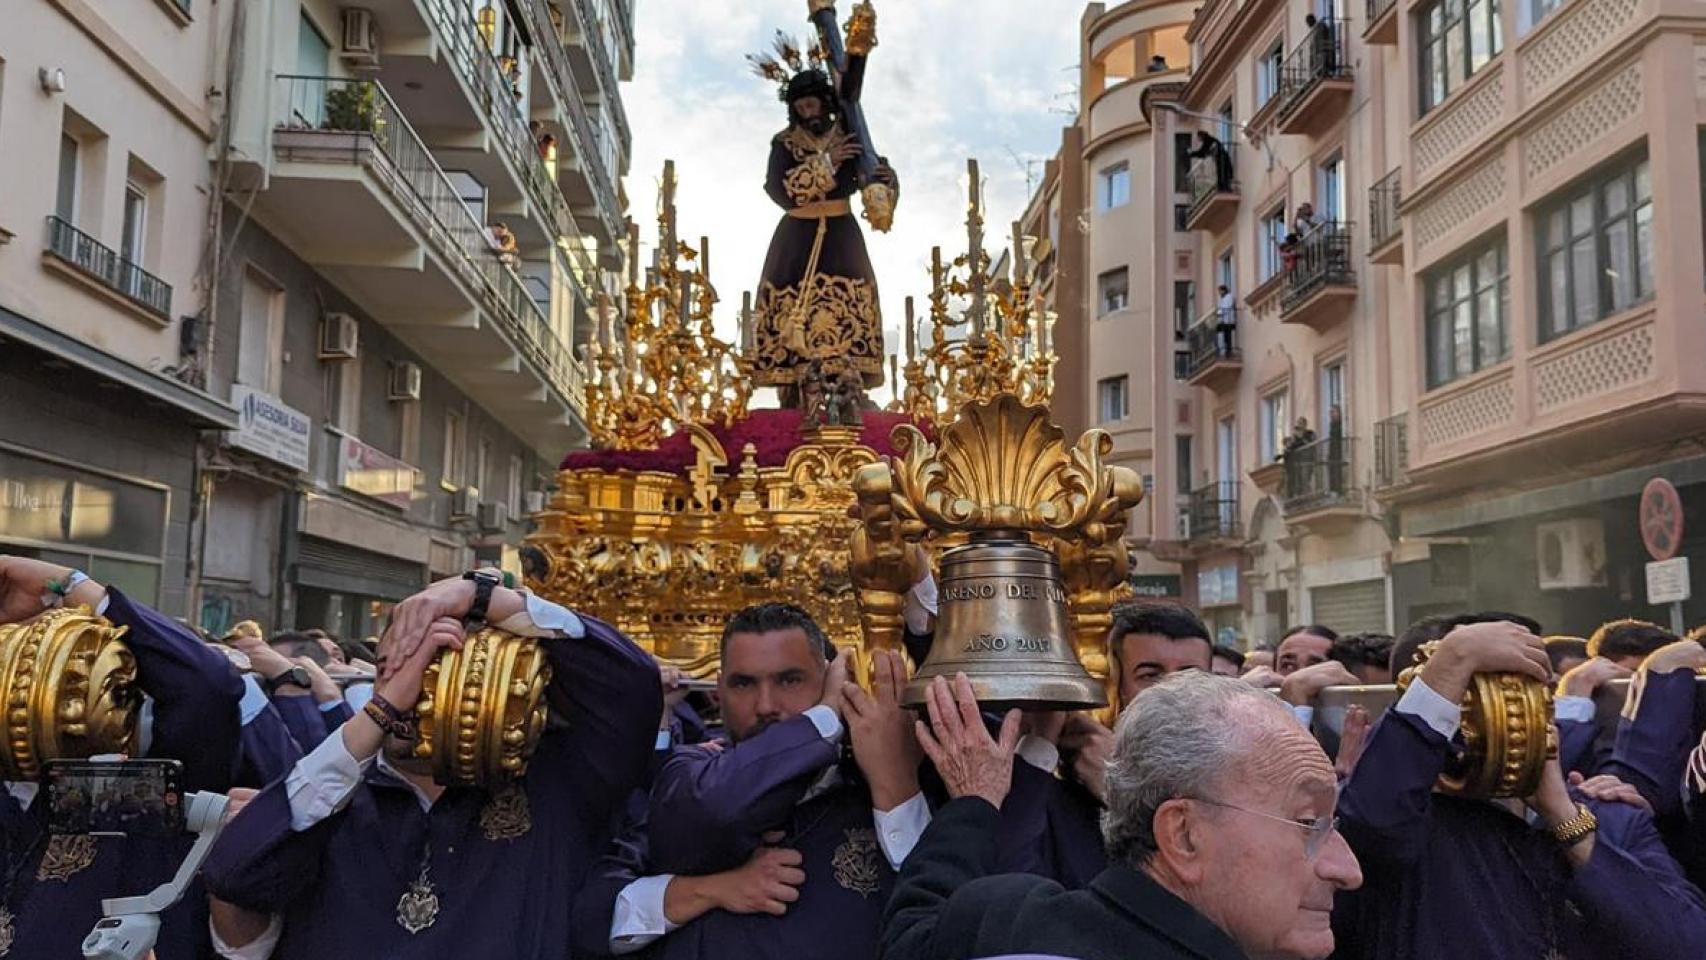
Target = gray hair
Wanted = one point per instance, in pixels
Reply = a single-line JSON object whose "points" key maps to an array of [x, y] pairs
{"points": [[1176, 739]]}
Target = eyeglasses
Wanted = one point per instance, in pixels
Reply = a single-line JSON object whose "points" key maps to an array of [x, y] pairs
{"points": [[1318, 829]]}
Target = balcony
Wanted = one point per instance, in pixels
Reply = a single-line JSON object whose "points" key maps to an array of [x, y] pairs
{"points": [[595, 69], [1320, 489], [86, 259], [1391, 452], [1382, 22], [1213, 185], [1315, 81], [1211, 350], [360, 196], [1386, 227], [1214, 514], [584, 175], [1319, 285]]}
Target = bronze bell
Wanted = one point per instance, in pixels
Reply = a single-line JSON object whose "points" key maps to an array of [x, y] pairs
{"points": [[1003, 622]]}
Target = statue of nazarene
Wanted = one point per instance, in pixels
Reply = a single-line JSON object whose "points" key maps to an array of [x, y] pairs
{"points": [[816, 305]]}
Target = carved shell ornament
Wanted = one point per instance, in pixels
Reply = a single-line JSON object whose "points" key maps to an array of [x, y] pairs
{"points": [[1002, 465]]}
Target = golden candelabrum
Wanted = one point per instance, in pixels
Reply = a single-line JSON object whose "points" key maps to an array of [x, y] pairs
{"points": [[71, 691], [1508, 733], [482, 709], [665, 366]]}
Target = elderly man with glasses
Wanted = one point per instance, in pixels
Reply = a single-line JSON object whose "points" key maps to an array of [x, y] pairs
{"points": [[1220, 831]]}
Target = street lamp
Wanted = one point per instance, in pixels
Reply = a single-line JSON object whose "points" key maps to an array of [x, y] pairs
{"points": [[1250, 136]]}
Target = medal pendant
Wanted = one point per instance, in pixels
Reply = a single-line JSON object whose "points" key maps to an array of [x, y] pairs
{"points": [[417, 908]]}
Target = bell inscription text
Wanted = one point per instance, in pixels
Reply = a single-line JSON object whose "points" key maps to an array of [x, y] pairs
{"points": [[992, 589]]}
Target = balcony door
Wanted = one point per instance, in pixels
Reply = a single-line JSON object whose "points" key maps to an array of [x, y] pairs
{"points": [[1226, 467], [1330, 203]]}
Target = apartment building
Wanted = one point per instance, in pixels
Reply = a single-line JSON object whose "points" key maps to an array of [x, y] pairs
{"points": [[417, 203], [1481, 313]]}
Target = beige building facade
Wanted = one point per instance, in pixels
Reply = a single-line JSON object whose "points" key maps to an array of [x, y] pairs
{"points": [[1484, 315]]}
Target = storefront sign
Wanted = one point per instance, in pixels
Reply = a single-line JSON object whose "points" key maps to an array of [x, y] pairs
{"points": [[1667, 581], [267, 427], [374, 473], [1162, 586]]}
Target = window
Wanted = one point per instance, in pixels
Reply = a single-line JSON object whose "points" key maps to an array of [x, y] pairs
{"points": [[135, 223], [1268, 242], [1333, 395], [1226, 450], [1182, 463], [1181, 163], [1115, 188], [1113, 290], [349, 397], [260, 333], [1184, 306], [1228, 130], [1330, 189], [313, 53], [1268, 72], [1596, 248], [1223, 271], [1275, 425], [1181, 217], [455, 448], [1457, 38], [65, 198], [1113, 398], [483, 466], [1467, 312], [515, 481], [409, 431]]}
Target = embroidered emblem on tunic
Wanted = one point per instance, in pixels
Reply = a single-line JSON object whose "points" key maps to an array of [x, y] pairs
{"points": [[417, 908], [858, 863], [7, 933], [66, 856], [506, 815]]}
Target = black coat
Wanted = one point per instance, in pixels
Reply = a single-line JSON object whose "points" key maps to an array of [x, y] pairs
{"points": [[946, 906]]}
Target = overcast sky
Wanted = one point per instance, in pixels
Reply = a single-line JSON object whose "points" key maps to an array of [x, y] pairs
{"points": [[948, 80]]}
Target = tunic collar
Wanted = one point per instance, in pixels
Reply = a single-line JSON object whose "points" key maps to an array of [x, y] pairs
{"points": [[1155, 907]]}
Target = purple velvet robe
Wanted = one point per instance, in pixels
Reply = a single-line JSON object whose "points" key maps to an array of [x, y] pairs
{"points": [[197, 722], [502, 893], [1449, 877], [267, 750]]}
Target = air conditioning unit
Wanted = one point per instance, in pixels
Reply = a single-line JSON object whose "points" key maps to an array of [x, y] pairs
{"points": [[405, 381], [533, 501], [1570, 554], [339, 337], [464, 503], [361, 38], [494, 517]]}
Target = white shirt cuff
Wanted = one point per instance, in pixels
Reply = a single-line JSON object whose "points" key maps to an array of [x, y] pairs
{"points": [[639, 918], [898, 830], [1424, 703], [1039, 753], [1573, 708], [357, 695], [1305, 714], [254, 699], [827, 723], [23, 791], [920, 607], [102, 604], [664, 741], [321, 783], [259, 948], [542, 618]]}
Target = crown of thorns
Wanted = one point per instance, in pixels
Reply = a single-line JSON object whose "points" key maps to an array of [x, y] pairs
{"points": [[797, 71]]}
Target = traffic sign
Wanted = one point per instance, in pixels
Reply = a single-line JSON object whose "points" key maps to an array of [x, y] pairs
{"points": [[1661, 519], [1667, 581]]}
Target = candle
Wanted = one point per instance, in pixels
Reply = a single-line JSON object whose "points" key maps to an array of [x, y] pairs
{"points": [[1019, 264], [911, 333], [705, 257], [633, 253], [894, 375], [746, 321], [974, 243], [669, 241], [603, 337]]}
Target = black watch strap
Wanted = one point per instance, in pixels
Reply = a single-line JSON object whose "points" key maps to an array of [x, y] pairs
{"points": [[295, 675], [484, 583]]}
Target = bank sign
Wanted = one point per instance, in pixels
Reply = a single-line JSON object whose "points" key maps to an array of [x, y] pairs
{"points": [[268, 428]]}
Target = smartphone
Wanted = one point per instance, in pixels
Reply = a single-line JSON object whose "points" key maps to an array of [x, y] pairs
{"points": [[135, 798]]}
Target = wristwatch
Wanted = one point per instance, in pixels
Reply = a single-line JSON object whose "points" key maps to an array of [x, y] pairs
{"points": [[485, 581], [1574, 830], [295, 675]]}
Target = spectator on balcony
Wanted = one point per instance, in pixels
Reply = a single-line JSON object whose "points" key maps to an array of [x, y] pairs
{"points": [[1225, 319], [1323, 51], [505, 246], [1158, 64], [1299, 456], [1209, 145], [1304, 221], [1336, 451]]}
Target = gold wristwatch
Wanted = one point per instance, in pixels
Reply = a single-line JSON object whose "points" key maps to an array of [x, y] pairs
{"points": [[1573, 830]]}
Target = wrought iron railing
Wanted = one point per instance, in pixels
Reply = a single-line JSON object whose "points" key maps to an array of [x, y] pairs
{"points": [[379, 137], [1378, 8], [1207, 180], [593, 39], [1384, 224], [1211, 339], [1319, 474], [105, 264], [581, 126], [1321, 56], [1214, 510], [1322, 259], [1391, 451]]}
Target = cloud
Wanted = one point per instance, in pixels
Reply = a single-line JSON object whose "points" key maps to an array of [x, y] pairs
{"points": [[947, 81]]}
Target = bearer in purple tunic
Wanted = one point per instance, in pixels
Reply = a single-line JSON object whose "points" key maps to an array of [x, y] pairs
{"points": [[51, 887], [358, 853], [1453, 877]]}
